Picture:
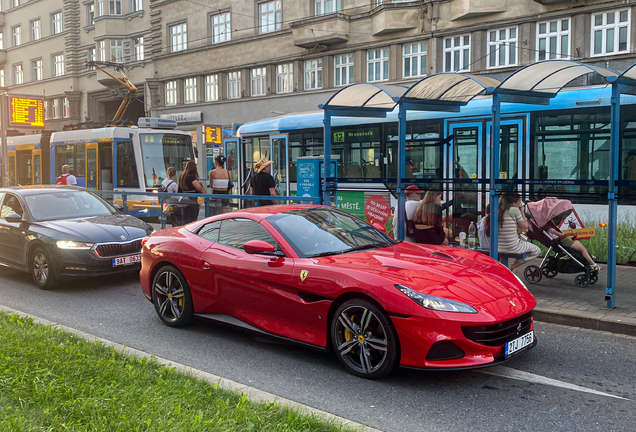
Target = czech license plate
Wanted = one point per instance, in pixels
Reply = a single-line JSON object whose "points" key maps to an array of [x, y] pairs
{"points": [[519, 343], [126, 260]]}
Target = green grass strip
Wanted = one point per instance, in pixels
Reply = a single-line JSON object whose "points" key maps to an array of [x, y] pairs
{"points": [[51, 380]]}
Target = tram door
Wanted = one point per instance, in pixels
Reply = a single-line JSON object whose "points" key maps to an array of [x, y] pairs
{"points": [[91, 166], [511, 151], [233, 163], [280, 169], [37, 167], [465, 171], [24, 160]]}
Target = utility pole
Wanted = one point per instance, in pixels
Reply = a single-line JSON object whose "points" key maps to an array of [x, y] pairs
{"points": [[4, 119]]}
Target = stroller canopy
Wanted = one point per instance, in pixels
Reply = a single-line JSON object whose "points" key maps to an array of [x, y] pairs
{"points": [[547, 209]]}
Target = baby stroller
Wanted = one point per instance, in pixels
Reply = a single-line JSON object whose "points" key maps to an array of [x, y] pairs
{"points": [[542, 216]]}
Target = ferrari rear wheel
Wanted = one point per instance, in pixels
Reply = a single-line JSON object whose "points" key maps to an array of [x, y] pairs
{"points": [[364, 339], [171, 297]]}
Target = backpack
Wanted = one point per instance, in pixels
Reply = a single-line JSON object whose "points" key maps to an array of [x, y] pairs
{"points": [[61, 180], [163, 188]]}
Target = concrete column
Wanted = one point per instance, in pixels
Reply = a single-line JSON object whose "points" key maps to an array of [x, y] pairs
{"points": [[222, 85], [270, 80], [395, 59], [581, 28], [300, 79], [298, 73], [245, 83], [478, 50], [327, 72], [526, 35], [436, 57], [201, 88], [360, 66], [74, 100], [154, 93]]}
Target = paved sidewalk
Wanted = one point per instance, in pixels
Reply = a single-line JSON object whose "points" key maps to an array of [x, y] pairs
{"points": [[560, 301]]}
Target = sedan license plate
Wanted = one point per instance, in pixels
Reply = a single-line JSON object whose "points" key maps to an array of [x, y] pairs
{"points": [[127, 260], [519, 343]]}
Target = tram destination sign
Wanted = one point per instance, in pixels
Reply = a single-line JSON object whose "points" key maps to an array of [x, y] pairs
{"points": [[26, 111]]}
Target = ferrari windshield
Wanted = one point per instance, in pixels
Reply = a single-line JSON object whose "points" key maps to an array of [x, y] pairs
{"points": [[67, 204], [323, 231]]}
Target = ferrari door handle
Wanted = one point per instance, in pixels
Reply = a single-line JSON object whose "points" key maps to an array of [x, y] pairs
{"points": [[206, 265]]}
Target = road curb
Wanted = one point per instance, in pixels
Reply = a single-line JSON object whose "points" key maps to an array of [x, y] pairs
{"points": [[250, 392], [624, 326]]}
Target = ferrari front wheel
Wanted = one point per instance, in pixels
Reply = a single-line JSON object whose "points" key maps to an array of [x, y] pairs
{"points": [[171, 297], [364, 339]]}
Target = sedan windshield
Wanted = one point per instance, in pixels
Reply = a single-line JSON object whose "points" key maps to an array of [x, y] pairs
{"points": [[323, 232], [67, 204]]}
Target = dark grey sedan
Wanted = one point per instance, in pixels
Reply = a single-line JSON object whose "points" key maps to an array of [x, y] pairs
{"points": [[54, 232]]}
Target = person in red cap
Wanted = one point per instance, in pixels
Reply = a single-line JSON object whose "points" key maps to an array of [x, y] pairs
{"points": [[413, 196]]}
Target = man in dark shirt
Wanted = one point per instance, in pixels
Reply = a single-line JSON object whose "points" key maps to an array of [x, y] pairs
{"points": [[262, 182]]}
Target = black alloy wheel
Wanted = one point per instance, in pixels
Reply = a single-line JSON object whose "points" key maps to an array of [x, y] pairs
{"points": [[364, 339], [171, 297], [532, 274], [42, 270]]}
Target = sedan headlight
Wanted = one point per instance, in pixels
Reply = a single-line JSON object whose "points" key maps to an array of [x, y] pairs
{"points": [[69, 244], [435, 303]]}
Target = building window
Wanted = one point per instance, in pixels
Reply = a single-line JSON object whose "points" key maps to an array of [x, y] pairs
{"points": [[136, 5], [414, 57], [36, 29], [324, 7], [67, 108], [114, 7], [90, 56], [171, 93], [58, 64], [100, 8], [211, 88], [1, 40], [47, 111], [15, 3], [56, 23], [221, 28], [258, 81], [101, 50], [502, 47], [313, 74], [178, 37], [343, 70], [36, 70], [285, 78], [270, 16], [2, 77], [138, 49], [190, 90], [90, 14], [17, 35], [610, 32], [457, 54], [56, 108], [18, 77], [553, 39], [378, 65], [234, 85], [116, 50]]}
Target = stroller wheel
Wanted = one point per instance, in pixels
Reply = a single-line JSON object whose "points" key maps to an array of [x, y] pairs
{"points": [[549, 273], [581, 281], [593, 277], [532, 274]]}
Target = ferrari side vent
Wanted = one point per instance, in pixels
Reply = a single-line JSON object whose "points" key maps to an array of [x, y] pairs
{"points": [[444, 350], [500, 333], [443, 255]]}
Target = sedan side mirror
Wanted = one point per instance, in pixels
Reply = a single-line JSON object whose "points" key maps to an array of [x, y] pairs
{"points": [[119, 208], [258, 247], [379, 227], [13, 218]]}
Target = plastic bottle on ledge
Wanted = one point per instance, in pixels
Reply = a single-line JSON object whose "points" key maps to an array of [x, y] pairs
{"points": [[472, 233]]}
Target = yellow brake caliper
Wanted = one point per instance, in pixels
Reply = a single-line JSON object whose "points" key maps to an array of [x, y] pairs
{"points": [[348, 334]]}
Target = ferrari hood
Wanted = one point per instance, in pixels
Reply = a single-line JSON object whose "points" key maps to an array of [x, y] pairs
{"points": [[455, 274]]}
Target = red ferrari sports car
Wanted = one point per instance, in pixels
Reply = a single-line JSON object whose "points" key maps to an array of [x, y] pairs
{"points": [[324, 278]]}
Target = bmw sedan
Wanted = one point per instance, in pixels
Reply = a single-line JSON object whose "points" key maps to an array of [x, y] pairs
{"points": [[324, 278], [55, 232]]}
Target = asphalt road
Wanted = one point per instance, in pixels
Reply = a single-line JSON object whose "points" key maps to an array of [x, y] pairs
{"points": [[114, 308]]}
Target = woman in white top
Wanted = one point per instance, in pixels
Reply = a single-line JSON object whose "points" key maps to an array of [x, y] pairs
{"points": [[512, 218], [413, 199], [169, 184], [220, 181]]}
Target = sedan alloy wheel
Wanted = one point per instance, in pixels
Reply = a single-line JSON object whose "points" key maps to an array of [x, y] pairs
{"points": [[42, 269]]}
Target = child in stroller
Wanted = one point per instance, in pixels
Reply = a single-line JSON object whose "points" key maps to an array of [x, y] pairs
{"points": [[565, 255]]}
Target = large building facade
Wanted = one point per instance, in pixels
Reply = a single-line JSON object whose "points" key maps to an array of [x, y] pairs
{"points": [[227, 62]]}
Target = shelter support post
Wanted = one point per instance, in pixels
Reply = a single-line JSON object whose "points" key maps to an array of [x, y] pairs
{"points": [[612, 201], [400, 215], [494, 174], [324, 175], [4, 119]]}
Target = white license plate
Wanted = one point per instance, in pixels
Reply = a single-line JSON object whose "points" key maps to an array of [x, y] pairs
{"points": [[127, 260], [519, 343]]}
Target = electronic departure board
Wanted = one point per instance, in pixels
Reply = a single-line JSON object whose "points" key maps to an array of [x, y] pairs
{"points": [[213, 134], [26, 111]]}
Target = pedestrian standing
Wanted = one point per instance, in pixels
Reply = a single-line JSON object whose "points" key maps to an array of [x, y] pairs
{"points": [[169, 185], [220, 181], [189, 183], [66, 178], [262, 182]]}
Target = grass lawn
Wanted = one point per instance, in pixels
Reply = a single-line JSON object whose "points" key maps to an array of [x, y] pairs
{"points": [[51, 380]]}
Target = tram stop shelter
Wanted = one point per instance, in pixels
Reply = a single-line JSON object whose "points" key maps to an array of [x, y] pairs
{"points": [[536, 83]]}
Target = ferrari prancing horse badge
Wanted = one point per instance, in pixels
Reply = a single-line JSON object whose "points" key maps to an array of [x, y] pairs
{"points": [[303, 275]]}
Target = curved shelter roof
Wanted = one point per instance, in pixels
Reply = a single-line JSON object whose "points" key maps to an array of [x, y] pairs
{"points": [[366, 95], [630, 72], [450, 87], [550, 76]]}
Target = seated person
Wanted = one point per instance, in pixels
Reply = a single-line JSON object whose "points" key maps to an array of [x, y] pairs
{"points": [[429, 225], [568, 241], [483, 230], [413, 199]]}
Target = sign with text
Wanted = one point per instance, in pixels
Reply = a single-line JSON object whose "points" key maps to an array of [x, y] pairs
{"points": [[573, 225], [351, 202], [27, 111], [213, 134], [377, 209], [184, 117]]}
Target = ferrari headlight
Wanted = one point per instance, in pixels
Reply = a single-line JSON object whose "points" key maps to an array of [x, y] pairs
{"points": [[436, 303], [68, 244]]}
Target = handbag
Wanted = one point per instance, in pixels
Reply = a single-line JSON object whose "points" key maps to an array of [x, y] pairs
{"points": [[230, 183]]}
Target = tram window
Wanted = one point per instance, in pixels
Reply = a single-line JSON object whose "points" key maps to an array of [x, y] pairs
{"points": [[160, 151], [80, 160], [11, 170], [64, 155], [37, 179], [126, 165], [629, 151]]}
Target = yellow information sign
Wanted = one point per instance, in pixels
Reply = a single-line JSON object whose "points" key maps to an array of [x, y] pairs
{"points": [[213, 134], [27, 111]]}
